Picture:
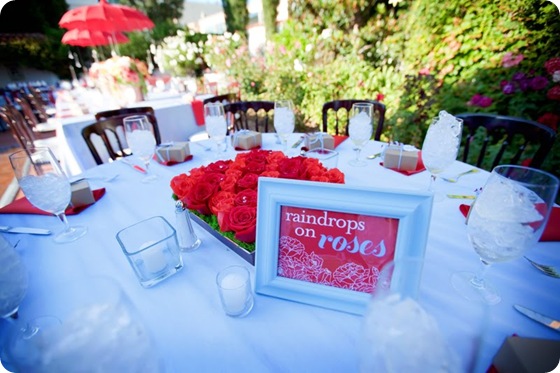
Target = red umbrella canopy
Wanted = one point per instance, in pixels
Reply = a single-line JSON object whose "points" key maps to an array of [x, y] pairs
{"points": [[89, 38], [105, 17]]}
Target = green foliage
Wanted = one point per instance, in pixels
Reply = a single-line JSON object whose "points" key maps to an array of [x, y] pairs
{"points": [[237, 16], [36, 41], [229, 54], [158, 11], [270, 11]]}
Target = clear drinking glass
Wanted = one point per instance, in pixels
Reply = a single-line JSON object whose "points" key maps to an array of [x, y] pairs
{"points": [[284, 121], [13, 279], [141, 141], [234, 288], [46, 186], [441, 146], [360, 129], [216, 124], [506, 219]]}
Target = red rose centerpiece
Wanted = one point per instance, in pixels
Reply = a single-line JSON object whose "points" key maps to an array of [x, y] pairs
{"points": [[224, 193]]}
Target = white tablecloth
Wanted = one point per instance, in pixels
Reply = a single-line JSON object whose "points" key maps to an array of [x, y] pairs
{"points": [[190, 329], [175, 121]]}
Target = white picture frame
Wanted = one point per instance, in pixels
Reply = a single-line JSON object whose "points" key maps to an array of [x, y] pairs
{"points": [[411, 209]]}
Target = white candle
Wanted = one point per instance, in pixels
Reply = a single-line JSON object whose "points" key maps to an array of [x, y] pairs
{"points": [[234, 292], [154, 259]]}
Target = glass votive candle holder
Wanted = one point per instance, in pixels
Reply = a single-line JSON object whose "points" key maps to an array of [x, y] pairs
{"points": [[328, 157], [234, 287], [152, 250]]}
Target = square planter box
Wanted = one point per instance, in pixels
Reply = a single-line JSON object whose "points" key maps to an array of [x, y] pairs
{"points": [[248, 256]]}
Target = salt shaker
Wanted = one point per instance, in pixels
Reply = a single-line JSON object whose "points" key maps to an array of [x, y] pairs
{"points": [[188, 241]]}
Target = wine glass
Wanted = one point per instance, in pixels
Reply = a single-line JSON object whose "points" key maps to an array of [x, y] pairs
{"points": [[216, 124], [506, 219], [46, 186], [441, 146], [13, 280], [27, 341], [360, 129], [284, 121], [141, 141]]}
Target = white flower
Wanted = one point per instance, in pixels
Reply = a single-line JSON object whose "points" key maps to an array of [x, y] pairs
{"points": [[235, 37], [298, 66], [326, 34], [556, 76]]}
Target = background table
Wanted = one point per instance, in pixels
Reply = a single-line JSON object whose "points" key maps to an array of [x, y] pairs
{"points": [[191, 331], [175, 118]]}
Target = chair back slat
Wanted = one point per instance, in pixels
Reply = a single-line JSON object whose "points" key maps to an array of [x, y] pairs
{"points": [[515, 140], [111, 132], [251, 115], [122, 113], [338, 111]]}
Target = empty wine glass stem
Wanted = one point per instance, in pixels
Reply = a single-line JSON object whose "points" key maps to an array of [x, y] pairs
{"points": [[432, 182], [478, 278], [64, 220], [358, 151]]}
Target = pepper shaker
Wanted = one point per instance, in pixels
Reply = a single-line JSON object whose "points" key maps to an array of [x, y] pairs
{"points": [[188, 241]]}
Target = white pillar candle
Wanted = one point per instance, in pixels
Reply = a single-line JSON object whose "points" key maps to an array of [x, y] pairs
{"points": [[234, 292], [154, 258]]}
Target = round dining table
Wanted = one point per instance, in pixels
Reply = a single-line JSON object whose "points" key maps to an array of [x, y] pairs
{"points": [[183, 313]]}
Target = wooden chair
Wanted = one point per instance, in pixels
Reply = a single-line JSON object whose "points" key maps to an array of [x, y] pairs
{"points": [[226, 98], [112, 135], [252, 115], [125, 111], [341, 109], [503, 136], [31, 118], [20, 130], [25, 137]]}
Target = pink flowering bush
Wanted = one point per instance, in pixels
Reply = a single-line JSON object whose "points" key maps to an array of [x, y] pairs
{"points": [[518, 89]]}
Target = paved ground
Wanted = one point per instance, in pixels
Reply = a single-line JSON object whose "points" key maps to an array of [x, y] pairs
{"points": [[8, 145]]}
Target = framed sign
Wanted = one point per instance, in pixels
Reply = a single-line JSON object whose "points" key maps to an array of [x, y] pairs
{"points": [[326, 244]]}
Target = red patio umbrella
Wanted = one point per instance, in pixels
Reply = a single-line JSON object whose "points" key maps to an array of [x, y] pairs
{"points": [[92, 38], [105, 17]]}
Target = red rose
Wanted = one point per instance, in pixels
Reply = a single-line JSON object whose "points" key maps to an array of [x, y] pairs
{"points": [[243, 221], [550, 120], [552, 65], [335, 176], [198, 196], [554, 93], [291, 168], [255, 167], [258, 156], [271, 174], [221, 201], [214, 177], [228, 184], [180, 185], [247, 197], [249, 181], [313, 168], [218, 166]]}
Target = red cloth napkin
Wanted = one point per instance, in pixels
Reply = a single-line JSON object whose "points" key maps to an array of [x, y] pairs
{"points": [[419, 167], [551, 231], [339, 139], [198, 111], [171, 163], [23, 206], [242, 150]]}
